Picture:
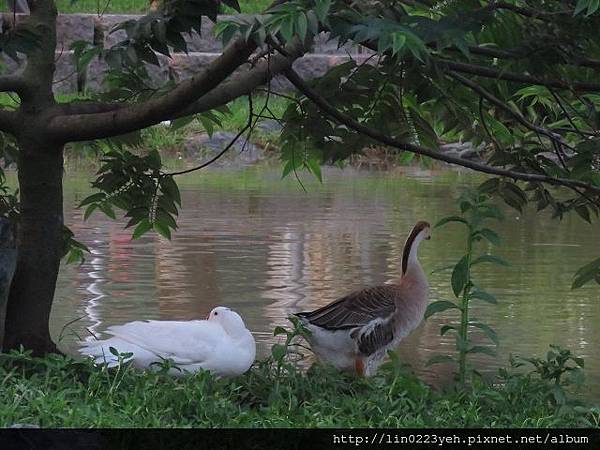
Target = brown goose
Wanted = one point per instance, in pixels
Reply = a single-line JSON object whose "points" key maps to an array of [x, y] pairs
{"points": [[355, 332]]}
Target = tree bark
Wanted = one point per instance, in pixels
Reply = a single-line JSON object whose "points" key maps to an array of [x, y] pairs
{"points": [[40, 243], [8, 261]]}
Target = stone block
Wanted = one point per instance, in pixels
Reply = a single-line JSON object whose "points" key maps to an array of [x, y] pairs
{"points": [[69, 28]]}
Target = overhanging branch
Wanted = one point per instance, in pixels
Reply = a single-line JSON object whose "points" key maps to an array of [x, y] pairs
{"points": [[523, 53], [343, 118], [240, 83], [244, 82], [141, 115], [12, 83], [500, 74], [507, 75]]}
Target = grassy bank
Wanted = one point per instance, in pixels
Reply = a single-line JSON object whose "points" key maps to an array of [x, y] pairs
{"points": [[61, 392]]}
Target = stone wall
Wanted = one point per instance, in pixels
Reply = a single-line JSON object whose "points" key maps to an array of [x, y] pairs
{"points": [[202, 50]]}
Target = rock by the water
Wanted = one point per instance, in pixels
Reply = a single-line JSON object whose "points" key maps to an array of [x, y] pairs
{"points": [[24, 425], [270, 126], [464, 150]]}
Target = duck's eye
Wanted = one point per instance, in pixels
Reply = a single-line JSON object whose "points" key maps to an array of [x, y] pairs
{"points": [[216, 313]]}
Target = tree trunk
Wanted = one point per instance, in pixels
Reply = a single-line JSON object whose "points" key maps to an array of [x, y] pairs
{"points": [[40, 243], [8, 262]]}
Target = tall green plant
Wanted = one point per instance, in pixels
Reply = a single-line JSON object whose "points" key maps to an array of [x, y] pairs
{"points": [[476, 210]]}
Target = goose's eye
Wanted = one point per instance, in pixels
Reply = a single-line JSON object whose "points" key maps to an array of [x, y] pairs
{"points": [[216, 314]]}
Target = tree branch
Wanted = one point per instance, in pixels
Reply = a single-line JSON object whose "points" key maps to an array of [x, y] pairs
{"points": [[500, 104], [12, 83], [240, 83], [141, 115], [8, 121], [343, 118], [244, 82], [500, 74], [530, 12], [522, 53]]}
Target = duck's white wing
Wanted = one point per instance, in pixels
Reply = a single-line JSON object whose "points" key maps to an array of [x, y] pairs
{"points": [[184, 342]]}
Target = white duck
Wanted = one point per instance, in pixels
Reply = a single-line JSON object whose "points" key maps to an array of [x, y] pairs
{"points": [[220, 344], [355, 332]]}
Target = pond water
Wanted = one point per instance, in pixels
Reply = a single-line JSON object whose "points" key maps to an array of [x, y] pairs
{"points": [[266, 248]]}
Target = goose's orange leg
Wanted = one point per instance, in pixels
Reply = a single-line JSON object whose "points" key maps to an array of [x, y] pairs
{"points": [[359, 365]]}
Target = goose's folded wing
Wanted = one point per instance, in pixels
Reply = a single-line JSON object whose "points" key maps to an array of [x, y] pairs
{"points": [[183, 342], [358, 309], [375, 336]]}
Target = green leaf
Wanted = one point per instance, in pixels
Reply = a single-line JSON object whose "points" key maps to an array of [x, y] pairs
{"points": [[513, 195], [581, 5], [287, 29], [279, 330], [490, 235], [107, 209], [89, 210], [489, 186], [490, 211], [162, 229], [278, 351], [444, 329], [314, 166], [302, 26], [592, 7], [490, 259], [460, 275], [94, 198], [398, 41], [449, 219], [483, 295], [322, 9], [584, 213], [233, 4], [141, 228], [482, 349], [559, 394], [165, 218], [586, 274], [439, 306], [439, 359], [169, 187], [488, 331], [181, 122]]}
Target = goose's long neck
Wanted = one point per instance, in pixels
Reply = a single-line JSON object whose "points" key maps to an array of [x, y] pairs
{"points": [[412, 272]]}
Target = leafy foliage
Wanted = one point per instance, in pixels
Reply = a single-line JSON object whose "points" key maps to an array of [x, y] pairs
{"points": [[349, 87], [561, 368], [135, 184], [476, 210]]}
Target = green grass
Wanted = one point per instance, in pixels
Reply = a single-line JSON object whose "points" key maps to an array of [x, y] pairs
{"points": [[58, 391], [132, 6]]}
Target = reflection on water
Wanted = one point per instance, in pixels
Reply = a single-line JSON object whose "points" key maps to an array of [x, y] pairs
{"points": [[264, 247]]}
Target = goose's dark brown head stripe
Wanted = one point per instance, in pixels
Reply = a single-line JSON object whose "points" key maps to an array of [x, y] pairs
{"points": [[420, 226]]}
